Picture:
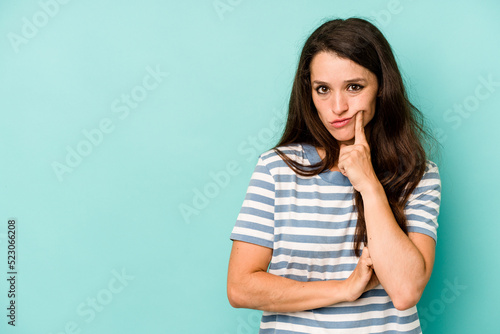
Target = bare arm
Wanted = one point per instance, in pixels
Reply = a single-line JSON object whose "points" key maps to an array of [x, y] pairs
{"points": [[403, 263], [249, 285]]}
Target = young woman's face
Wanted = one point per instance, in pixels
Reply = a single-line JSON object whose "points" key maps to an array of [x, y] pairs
{"points": [[340, 89]]}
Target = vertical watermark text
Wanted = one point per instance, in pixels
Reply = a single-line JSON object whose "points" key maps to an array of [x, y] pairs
{"points": [[12, 271]]}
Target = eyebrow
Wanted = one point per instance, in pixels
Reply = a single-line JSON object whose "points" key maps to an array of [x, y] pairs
{"points": [[345, 81], [356, 80]]}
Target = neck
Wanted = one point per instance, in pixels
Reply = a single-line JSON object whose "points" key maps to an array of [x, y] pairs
{"points": [[322, 154]]}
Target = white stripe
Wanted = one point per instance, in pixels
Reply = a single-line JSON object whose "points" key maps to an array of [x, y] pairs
{"points": [[354, 316], [255, 219], [311, 274], [314, 187], [326, 203], [414, 197], [260, 191], [360, 330], [311, 231], [253, 233], [414, 223]]}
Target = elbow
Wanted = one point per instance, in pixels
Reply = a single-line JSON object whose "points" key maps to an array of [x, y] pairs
{"points": [[403, 304], [235, 297], [406, 299]]}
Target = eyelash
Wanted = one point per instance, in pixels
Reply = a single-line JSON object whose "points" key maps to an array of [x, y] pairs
{"points": [[358, 88]]}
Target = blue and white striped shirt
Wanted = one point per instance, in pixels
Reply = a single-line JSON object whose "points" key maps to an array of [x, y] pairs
{"points": [[309, 223]]}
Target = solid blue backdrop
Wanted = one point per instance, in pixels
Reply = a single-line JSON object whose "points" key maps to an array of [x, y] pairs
{"points": [[130, 130]]}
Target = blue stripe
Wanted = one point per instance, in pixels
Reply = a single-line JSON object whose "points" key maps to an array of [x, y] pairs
{"points": [[374, 293], [252, 240], [262, 184], [303, 181], [257, 212], [290, 151], [429, 198], [330, 210], [423, 189], [344, 324], [423, 231], [431, 176], [256, 227], [313, 268], [418, 218], [260, 199], [355, 309], [319, 254], [315, 239], [262, 169], [425, 208], [316, 195]]}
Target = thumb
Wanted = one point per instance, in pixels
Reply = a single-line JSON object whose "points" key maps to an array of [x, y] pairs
{"points": [[366, 255], [366, 251]]}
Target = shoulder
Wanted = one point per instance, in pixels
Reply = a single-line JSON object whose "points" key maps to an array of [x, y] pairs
{"points": [[431, 173], [430, 166], [273, 161], [430, 181], [293, 151]]}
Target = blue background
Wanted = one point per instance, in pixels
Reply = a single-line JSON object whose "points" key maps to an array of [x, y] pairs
{"points": [[155, 198]]}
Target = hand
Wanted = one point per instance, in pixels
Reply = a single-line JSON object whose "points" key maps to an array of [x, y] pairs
{"points": [[355, 160], [363, 277]]}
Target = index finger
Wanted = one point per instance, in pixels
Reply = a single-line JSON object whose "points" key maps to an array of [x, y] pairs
{"points": [[359, 135]]}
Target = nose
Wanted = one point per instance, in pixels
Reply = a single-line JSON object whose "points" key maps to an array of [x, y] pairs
{"points": [[339, 103]]}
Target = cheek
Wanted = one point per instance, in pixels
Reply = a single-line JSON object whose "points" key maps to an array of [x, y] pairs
{"points": [[317, 102], [321, 107], [368, 117], [369, 106]]}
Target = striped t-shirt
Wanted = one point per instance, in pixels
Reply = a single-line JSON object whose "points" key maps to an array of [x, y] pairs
{"points": [[309, 223]]}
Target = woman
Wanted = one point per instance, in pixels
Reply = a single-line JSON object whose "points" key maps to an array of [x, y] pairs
{"points": [[338, 228]]}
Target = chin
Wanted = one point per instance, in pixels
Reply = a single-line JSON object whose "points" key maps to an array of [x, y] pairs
{"points": [[345, 138]]}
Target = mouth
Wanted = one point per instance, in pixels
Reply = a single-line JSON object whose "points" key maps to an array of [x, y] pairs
{"points": [[340, 122]]}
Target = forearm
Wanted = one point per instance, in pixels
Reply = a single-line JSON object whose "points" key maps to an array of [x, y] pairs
{"points": [[399, 265], [267, 292]]}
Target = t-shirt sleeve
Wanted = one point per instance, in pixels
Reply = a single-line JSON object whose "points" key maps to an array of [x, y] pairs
{"points": [[422, 208], [255, 222]]}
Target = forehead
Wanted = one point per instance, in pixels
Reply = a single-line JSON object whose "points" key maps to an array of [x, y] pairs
{"points": [[328, 66]]}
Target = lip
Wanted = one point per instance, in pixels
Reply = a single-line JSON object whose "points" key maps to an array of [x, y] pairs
{"points": [[340, 122]]}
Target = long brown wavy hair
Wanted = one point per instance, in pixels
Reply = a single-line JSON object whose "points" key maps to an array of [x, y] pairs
{"points": [[396, 132]]}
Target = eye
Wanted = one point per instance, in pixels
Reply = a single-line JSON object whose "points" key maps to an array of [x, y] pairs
{"points": [[354, 87], [322, 90]]}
